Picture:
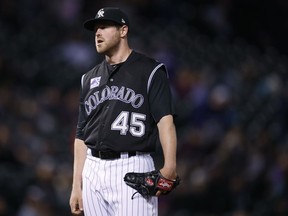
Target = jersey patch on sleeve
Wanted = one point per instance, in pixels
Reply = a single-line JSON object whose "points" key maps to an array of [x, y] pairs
{"points": [[95, 82]]}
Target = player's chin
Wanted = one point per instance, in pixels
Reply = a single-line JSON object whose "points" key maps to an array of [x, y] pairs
{"points": [[100, 49]]}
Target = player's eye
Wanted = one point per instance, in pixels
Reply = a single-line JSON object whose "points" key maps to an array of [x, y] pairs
{"points": [[100, 27]]}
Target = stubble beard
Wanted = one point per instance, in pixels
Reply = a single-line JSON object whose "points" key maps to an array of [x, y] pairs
{"points": [[108, 47], [101, 49]]}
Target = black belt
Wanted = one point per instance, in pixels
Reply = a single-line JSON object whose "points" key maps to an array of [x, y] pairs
{"points": [[108, 155]]}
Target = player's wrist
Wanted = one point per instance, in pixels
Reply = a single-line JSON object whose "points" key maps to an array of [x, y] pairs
{"points": [[170, 166], [169, 172], [76, 185]]}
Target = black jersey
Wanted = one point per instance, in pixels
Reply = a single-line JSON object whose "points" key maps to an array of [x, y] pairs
{"points": [[119, 109]]}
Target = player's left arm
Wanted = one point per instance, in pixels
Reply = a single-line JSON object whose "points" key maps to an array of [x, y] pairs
{"points": [[163, 112], [168, 140]]}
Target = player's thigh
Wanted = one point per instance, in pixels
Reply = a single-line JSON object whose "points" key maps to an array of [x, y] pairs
{"points": [[138, 206], [132, 203], [93, 203]]}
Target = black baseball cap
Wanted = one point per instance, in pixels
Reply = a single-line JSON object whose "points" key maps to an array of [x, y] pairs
{"points": [[108, 14]]}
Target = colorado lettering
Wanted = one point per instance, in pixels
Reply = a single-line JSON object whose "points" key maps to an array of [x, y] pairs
{"points": [[123, 94]]}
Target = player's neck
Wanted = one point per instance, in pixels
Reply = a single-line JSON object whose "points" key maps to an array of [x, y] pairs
{"points": [[120, 56]]}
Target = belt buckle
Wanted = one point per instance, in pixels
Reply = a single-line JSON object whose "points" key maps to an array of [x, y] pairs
{"points": [[107, 155]]}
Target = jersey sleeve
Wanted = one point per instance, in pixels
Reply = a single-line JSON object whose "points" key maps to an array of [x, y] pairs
{"points": [[81, 119], [79, 128], [160, 97]]}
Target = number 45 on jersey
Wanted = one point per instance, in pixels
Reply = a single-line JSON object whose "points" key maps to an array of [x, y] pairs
{"points": [[132, 123]]}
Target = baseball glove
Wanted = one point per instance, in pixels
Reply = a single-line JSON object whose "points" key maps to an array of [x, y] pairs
{"points": [[148, 183]]}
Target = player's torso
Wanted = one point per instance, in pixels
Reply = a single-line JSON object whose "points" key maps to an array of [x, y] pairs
{"points": [[117, 107]]}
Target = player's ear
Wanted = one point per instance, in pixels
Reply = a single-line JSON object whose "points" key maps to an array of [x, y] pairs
{"points": [[124, 30]]}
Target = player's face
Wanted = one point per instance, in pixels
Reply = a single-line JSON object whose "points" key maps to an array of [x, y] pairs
{"points": [[107, 37]]}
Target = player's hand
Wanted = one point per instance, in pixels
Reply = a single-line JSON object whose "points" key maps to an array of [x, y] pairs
{"points": [[76, 203], [169, 174]]}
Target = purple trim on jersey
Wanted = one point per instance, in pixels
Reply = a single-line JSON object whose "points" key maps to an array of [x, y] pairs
{"points": [[82, 80], [151, 76]]}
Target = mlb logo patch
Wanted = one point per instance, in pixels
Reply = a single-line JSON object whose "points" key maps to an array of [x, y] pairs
{"points": [[95, 82]]}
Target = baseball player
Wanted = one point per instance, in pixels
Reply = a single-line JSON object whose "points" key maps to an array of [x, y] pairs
{"points": [[125, 108]]}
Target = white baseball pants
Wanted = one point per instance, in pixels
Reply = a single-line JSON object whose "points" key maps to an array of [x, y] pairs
{"points": [[106, 194]]}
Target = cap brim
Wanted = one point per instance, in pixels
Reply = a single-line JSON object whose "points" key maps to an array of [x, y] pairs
{"points": [[90, 24]]}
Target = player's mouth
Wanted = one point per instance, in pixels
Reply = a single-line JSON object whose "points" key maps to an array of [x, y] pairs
{"points": [[99, 41]]}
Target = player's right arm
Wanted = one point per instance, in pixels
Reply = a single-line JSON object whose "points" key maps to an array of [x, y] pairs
{"points": [[80, 151]]}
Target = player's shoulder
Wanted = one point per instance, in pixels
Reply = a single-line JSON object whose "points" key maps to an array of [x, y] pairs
{"points": [[93, 71], [143, 57], [146, 61]]}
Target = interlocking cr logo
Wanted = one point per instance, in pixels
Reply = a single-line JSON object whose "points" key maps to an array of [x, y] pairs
{"points": [[100, 13]]}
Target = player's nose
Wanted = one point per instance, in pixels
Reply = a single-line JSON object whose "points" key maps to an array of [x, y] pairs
{"points": [[97, 33]]}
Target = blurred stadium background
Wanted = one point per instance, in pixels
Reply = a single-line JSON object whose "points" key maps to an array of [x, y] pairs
{"points": [[227, 61]]}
